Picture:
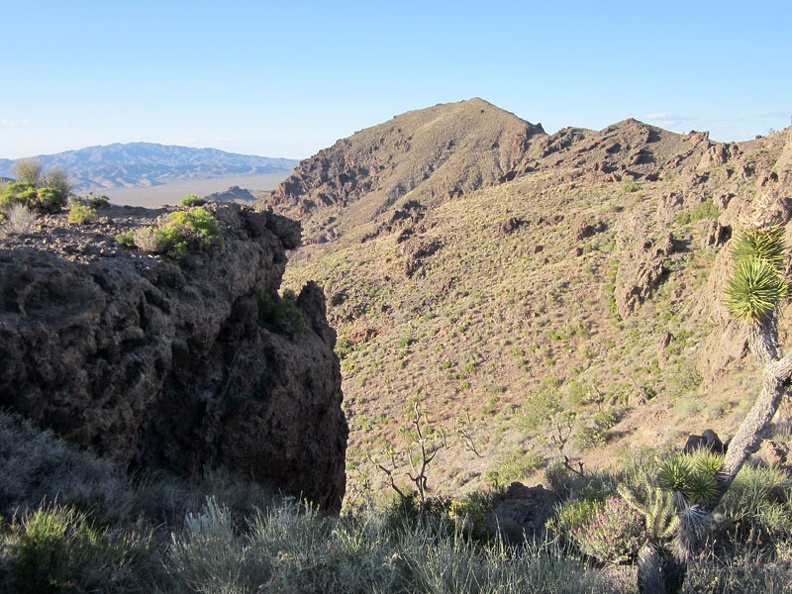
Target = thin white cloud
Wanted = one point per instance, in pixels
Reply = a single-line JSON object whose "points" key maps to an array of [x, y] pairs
{"points": [[669, 121], [9, 122], [658, 115], [773, 113]]}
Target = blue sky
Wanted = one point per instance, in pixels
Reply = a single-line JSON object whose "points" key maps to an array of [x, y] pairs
{"points": [[287, 78]]}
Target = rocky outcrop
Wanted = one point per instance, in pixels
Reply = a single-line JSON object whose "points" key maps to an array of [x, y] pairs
{"points": [[160, 365], [232, 194], [521, 513]]}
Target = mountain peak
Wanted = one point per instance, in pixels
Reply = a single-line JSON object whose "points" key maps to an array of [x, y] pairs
{"points": [[425, 156]]}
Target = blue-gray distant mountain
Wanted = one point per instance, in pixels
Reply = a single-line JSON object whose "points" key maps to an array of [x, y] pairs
{"points": [[146, 164]]}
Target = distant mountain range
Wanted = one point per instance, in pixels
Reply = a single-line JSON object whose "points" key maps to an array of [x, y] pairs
{"points": [[141, 164]]}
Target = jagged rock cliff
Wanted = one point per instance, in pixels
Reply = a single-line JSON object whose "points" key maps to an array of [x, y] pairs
{"points": [[156, 364]]}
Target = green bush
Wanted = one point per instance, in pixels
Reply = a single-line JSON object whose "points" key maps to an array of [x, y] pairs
{"points": [[516, 464], [280, 314], [192, 200], [597, 432], [82, 214], [705, 210], [95, 202], [176, 235], [55, 549], [45, 200], [127, 239]]}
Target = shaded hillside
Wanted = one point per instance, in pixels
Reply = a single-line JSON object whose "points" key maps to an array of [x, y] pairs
{"points": [[141, 164], [589, 283], [426, 156]]}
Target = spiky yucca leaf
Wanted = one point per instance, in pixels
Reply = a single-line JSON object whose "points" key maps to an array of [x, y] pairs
{"points": [[673, 474], [764, 243], [706, 462], [754, 290], [702, 488], [694, 525]]}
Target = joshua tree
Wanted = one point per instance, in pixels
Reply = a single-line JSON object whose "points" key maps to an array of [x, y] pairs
{"points": [[754, 294]]}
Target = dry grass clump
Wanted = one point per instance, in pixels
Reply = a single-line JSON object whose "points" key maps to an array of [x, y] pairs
{"points": [[70, 524]]}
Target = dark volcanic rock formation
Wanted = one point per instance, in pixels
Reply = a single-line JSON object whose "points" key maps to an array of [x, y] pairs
{"points": [[159, 365], [232, 194]]}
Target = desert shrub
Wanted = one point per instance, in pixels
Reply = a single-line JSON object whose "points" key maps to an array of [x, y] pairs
{"points": [[611, 533], [152, 239], [574, 514], [192, 200], [469, 513], [56, 549], [176, 235], [21, 193], [748, 572], [95, 202], [19, 218], [630, 186], [165, 499], [28, 171], [209, 557], [127, 239], [343, 347], [31, 171], [516, 464], [82, 214], [289, 548], [597, 431], [704, 210], [571, 485], [760, 501], [36, 465], [189, 230], [50, 199], [44, 199], [280, 314]]}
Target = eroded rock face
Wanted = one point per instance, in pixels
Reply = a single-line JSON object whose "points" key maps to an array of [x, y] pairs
{"points": [[156, 364]]}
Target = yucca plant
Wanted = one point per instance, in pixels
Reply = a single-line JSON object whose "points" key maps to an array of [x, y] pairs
{"points": [[761, 243], [757, 285], [754, 290], [753, 295]]}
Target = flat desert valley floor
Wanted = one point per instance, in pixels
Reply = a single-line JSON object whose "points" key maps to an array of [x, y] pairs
{"points": [[154, 196]]}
